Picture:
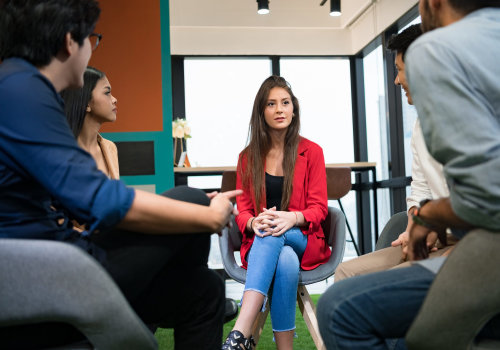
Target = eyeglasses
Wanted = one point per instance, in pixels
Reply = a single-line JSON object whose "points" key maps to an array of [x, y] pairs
{"points": [[95, 39]]}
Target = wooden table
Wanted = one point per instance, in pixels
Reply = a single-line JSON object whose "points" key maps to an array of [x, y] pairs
{"points": [[182, 173]]}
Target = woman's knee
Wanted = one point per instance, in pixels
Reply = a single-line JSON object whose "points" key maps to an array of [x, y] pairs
{"points": [[288, 262], [296, 240], [188, 194], [266, 246]]}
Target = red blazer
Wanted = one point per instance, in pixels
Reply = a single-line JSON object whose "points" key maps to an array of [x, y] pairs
{"points": [[309, 196]]}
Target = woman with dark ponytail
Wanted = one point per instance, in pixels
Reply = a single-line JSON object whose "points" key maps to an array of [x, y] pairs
{"points": [[87, 108]]}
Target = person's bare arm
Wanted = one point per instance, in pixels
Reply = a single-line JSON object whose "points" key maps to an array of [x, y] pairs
{"points": [[440, 215], [404, 237], [156, 214]]}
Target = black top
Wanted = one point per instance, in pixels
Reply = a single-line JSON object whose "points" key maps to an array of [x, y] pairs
{"points": [[274, 191]]}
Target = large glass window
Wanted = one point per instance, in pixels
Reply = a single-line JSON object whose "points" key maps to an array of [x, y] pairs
{"points": [[323, 88], [219, 97], [377, 126], [219, 94]]}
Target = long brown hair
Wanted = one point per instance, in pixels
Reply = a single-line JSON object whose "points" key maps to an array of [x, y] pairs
{"points": [[260, 143]]}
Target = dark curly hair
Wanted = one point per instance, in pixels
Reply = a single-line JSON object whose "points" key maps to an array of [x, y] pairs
{"points": [[402, 41], [35, 30]]}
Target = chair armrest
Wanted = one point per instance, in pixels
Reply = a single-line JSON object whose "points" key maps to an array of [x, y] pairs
{"points": [[44, 281], [334, 228], [227, 249], [464, 296]]}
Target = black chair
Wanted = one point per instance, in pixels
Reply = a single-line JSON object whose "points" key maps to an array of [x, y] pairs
{"points": [[394, 227], [46, 282], [339, 183]]}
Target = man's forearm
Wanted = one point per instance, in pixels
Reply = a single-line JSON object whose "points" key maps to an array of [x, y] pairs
{"points": [[440, 213], [156, 214]]}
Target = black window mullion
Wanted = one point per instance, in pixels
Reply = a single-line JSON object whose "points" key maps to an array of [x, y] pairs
{"points": [[360, 153], [395, 127]]}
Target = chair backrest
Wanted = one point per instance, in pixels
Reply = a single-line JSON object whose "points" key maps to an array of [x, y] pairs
{"points": [[49, 281], [338, 182], [338, 185], [228, 180], [394, 227]]}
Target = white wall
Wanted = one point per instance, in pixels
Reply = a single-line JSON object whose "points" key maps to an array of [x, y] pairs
{"points": [[381, 15], [294, 27], [259, 41]]}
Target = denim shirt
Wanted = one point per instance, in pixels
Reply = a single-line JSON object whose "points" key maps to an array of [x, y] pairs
{"points": [[46, 179], [454, 78]]}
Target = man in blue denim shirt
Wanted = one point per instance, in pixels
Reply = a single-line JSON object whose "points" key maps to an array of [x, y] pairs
{"points": [[453, 75], [46, 180]]}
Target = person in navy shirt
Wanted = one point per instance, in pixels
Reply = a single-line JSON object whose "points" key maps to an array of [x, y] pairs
{"points": [[154, 247]]}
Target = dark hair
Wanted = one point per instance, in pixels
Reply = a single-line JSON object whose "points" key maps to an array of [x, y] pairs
{"points": [[77, 100], [402, 41], [35, 30], [260, 144], [467, 6]]}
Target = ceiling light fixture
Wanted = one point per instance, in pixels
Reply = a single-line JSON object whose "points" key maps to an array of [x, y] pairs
{"points": [[263, 7], [335, 8]]}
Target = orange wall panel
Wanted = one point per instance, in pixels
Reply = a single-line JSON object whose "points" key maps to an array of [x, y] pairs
{"points": [[130, 56]]}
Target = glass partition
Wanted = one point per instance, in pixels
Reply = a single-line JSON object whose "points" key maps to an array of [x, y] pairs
{"points": [[219, 95], [323, 87], [377, 126]]}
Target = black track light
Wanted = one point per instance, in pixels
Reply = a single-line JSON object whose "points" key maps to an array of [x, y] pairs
{"points": [[335, 8], [263, 7]]}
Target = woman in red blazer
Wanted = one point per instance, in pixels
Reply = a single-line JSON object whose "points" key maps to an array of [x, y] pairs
{"points": [[283, 203]]}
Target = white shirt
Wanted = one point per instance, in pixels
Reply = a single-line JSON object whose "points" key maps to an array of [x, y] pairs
{"points": [[427, 174]]}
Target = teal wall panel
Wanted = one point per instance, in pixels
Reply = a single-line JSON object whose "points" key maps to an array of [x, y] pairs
{"points": [[164, 174]]}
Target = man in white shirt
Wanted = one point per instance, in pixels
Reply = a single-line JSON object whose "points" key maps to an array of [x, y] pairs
{"points": [[427, 182]]}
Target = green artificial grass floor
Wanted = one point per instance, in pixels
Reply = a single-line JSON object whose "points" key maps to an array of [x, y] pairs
{"points": [[303, 341]]}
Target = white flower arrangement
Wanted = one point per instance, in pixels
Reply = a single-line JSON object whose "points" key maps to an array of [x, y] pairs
{"points": [[181, 129]]}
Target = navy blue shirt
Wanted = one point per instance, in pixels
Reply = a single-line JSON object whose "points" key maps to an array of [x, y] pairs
{"points": [[44, 175]]}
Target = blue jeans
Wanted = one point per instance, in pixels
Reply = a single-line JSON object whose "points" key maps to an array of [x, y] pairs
{"points": [[277, 258], [365, 312]]}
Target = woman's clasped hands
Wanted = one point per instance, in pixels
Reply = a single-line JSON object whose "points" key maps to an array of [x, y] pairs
{"points": [[271, 222]]}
